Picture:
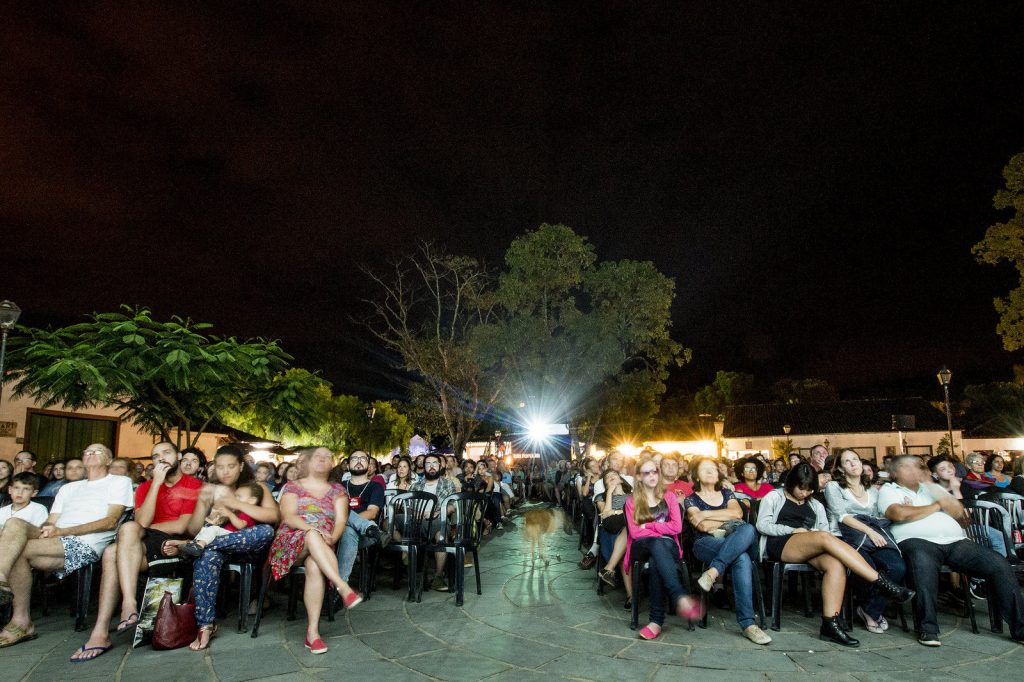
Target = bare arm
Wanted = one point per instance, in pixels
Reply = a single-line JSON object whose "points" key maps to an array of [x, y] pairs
{"points": [[902, 513], [201, 511], [264, 512]]}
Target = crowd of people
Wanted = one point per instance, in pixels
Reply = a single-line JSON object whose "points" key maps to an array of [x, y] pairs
{"points": [[890, 528], [314, 512]]}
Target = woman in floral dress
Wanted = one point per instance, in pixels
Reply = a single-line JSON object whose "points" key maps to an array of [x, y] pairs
{"points": [[314, 512]]}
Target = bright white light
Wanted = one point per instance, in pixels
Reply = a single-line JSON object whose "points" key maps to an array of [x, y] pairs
{"points": [[540, 430], [628, 449]]}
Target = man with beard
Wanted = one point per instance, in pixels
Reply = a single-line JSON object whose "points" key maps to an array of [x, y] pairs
{"points": [[365, 500], [441, 487], [163, 507]]}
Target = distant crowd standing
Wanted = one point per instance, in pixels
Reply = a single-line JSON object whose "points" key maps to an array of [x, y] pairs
{"points": [[890, 530]]}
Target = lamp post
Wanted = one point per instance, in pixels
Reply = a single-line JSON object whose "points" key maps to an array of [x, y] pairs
{"points": [[945, 376], [9, 314]]}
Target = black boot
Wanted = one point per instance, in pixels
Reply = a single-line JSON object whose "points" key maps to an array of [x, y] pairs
{"points": [[832, 631], [894, 591]]}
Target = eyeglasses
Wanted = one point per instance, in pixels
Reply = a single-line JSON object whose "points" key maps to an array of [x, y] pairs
{"points": [[359, 458], [93, 452], [648, 472]]}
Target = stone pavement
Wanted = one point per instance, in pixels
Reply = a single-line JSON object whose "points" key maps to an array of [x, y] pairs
{"points": [[533, 622]]}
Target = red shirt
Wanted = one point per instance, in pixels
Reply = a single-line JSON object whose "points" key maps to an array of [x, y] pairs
{"points": [[761, 491], [171, 502], [681, 488]]}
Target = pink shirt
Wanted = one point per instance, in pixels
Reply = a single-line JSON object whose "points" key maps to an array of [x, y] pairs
{"points": [[654, 529]]}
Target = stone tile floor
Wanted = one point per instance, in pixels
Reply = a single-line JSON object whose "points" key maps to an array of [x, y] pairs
{"points": [[533, 622]]}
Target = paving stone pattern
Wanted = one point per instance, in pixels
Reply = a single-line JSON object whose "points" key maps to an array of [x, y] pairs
{"points": [[533, 622]]}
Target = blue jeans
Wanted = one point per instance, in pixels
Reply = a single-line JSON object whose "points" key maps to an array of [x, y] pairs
{"points": [[206, 570], [733, 552], [887, 560], [348, 545], [663, 576], [997, 540]]}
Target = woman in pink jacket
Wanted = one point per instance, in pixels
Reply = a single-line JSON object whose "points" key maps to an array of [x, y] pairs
{"points": [[654, 521]]}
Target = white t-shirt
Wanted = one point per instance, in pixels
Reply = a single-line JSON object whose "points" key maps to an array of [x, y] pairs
{"points": [[86, 501], [599, 484], [33, 513], [938, 527]]}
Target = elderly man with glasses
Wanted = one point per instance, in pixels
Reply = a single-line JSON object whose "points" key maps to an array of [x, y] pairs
{"points": [[82, 522]]}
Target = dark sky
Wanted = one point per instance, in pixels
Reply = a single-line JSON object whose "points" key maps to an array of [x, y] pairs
{"points": [[811, 174]]}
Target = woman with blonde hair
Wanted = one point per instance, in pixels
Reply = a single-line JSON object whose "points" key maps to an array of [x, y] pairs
{"points": [[654, 522]]}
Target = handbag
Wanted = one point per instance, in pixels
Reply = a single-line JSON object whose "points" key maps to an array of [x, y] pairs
{"points": [[175, 624], [858, 540]]}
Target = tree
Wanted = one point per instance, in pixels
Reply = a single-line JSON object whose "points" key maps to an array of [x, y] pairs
{"points": [[781, 449], [804, 391], [164, 376], [427, 309], [997, 407], [1005, 242], [728, 388], [944, 449], [581, 341], [424, 411], [390, 428]]}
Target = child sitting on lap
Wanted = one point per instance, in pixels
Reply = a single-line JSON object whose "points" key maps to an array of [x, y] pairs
{"points": [[218, 525]]}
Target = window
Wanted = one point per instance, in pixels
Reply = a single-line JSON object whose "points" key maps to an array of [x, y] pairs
{"points": [[920, 450], [865, 452], [55, 436]]}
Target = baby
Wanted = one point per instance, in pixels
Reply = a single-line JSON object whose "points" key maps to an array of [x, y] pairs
{"points": [[218, 525]]}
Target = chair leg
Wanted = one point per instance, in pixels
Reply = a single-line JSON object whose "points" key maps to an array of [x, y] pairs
{"points": [[903, 616], [82, 598], [476, 570], [704, 603], [635, 577], [264, 585], [460, 573], [758, 594], [293, 595], [969, 600], [848, 606], [777, 571], [807, 580], [244, 596], [329, 600]]}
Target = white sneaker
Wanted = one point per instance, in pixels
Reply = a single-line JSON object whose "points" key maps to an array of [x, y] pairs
{"points": [[705, 581], [757, 635], [929, 640]]}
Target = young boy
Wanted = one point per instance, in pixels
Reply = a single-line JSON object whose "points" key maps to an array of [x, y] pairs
{"points": [[23, 486], [216, 525]]}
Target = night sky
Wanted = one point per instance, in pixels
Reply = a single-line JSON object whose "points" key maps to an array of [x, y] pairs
{"points": [[813, 175]]}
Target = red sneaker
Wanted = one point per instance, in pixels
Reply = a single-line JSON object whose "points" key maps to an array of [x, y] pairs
{"points": [[353, 600], [317, 646]]}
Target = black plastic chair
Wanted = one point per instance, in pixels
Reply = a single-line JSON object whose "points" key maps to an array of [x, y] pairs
{"points": [[410, 516], [985, 515], [330, 596], [639, 570], [465, 529], [1014, 523]]}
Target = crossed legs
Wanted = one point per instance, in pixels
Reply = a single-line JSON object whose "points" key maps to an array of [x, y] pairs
{"points": [[21, 550]]}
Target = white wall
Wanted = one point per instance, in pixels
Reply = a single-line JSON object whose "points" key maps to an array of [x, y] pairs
{"points": [[879, 441]]}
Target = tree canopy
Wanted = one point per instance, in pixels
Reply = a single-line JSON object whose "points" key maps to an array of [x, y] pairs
{"points": [[1005, 242], [728, 388], [165, 376]]}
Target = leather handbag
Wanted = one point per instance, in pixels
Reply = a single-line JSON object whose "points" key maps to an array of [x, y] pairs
{"points": [[175, 624]]}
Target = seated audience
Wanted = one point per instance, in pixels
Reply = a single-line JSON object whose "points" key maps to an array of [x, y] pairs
{"points": [[441, 487], [264, 473], [670, 477], [82, 522], [853, 514], [313, 517], [750, 474], [611, 505], [54, 481], [723, 541], [217, 525], [365, 501], [976, 477], [654, 522], [777, 473], [6, 474], [403, 476], [994, 466], [193, 463], [21, 491], [26, 460], [163, 507], [1017, 482], [944, 473], [122, 466], [795, 530], [927, 523], [244, 545]]}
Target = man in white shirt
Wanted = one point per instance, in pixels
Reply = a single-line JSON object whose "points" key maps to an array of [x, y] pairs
{"points": [[83, 521], [927, 524]]}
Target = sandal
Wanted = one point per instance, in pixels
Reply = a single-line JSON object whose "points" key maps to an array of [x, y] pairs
{"points": [[84, 649], [20, 635], [607, 576], [127, 623], [210, 630]]}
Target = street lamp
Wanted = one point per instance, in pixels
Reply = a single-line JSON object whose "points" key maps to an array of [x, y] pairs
{"points": [[370, 411], [9, 314], [945, 376]]}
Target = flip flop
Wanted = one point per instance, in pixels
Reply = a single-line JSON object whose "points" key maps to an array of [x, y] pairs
{"points": [[82, 649], [127, 623], [20, 635]]}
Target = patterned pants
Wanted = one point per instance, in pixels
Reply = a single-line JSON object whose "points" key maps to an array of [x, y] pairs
{"points": [[206, 571]]}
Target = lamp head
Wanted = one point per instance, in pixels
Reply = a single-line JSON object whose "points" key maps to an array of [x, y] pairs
{"points": [[9, 314]]}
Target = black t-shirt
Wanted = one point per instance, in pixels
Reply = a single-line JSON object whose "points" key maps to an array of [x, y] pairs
{"points": [[362, 495], [796, 515]]}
